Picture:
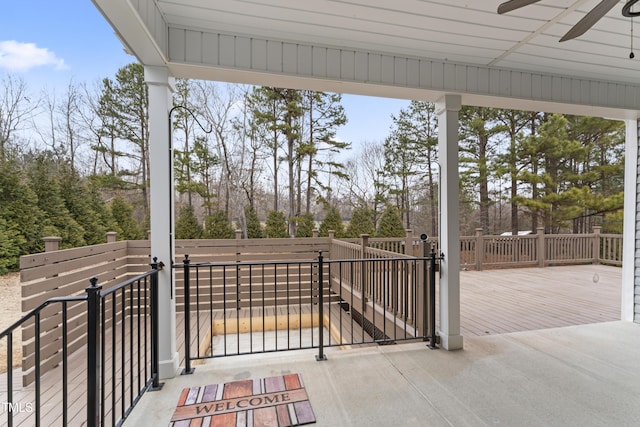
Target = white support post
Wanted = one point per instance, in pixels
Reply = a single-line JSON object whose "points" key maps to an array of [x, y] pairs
{"points": [[629, 232], [447, 109], [161, 86]]}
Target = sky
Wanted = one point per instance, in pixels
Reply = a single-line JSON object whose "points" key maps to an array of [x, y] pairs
{"points": [[49, 43]]}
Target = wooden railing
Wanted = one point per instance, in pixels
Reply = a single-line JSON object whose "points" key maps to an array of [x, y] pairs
{"points": [[383, 281], [543, 250]]}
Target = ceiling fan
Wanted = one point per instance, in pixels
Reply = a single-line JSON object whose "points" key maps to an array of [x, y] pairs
{"points": [[585, 23]]}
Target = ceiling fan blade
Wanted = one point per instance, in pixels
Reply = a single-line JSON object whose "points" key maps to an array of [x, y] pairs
{"points": [[510, 5], [589, 19]]}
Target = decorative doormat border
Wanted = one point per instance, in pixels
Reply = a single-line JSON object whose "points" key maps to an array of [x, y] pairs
{"points": [[273, 401]]}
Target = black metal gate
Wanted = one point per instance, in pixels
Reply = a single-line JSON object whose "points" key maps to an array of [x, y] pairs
{"points": [[255, 307]]}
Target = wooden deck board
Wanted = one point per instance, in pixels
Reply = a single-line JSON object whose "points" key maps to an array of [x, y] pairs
{"points": [[492, 302]]}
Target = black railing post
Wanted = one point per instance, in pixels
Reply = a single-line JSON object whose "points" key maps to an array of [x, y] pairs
{"points": [[187, 317], [425, 289], [155, 356], [321, 356], [432, 297], [93, 344]]}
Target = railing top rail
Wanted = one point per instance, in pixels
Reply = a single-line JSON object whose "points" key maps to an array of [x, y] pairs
{"points": [[498, 237], [390, 239], [128, 282], [245, 263], [361, 260], [397, 257], [38, 309], [385, 254], [347, 244]]}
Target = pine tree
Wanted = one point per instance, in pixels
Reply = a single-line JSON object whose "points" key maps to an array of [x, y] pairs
{"points": [[122, 212], [80, 200], [306, 224], [561, 196], [254, 229], [390, 223], [11, 242], [276, 225], [19, 208], [361, 222], [410, 156], [332, 221], [187, 225], [44, 178], [218, 226], [124, 112], [478, 126]]}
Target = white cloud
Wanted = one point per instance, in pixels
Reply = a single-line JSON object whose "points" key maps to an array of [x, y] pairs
{"points": [[16, 56]]}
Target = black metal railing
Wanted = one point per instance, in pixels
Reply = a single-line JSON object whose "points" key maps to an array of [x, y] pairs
{"points": [[119, 352], [256, 307]]}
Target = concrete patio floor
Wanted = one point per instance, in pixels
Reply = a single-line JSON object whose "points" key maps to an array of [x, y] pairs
{"points": [[586, 375]]}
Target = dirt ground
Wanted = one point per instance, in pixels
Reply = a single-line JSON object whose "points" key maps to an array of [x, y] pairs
{"points": [[10, 311]]}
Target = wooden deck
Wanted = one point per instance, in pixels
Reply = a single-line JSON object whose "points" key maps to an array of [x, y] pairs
{"points": [[501, 301], [492, 302]]}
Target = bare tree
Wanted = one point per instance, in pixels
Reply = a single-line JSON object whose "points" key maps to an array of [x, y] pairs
{"points": [[63, 135], [16, 108], [219, 107]]}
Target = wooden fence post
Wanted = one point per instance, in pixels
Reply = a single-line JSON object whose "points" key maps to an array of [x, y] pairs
{"points": [[331, 234], [541, 246], [408, 242], [364, 243], [596, 244], [315, 233], [479, 249], [51, 243], [112, 236], [238, 234]]}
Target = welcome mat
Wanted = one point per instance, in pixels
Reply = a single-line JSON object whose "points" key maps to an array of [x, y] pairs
{"points": [[274, 401]]}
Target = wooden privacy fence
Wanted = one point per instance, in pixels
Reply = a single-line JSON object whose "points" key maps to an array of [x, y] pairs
{"points": [[215, 286], [66, 272], [62, 273]]}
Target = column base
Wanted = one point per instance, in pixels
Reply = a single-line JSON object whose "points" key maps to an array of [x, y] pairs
{"points": [[450, 342], [169, 368]]}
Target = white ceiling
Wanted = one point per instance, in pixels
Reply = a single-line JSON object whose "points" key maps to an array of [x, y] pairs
{"points": [[455, 31], [469, 32]]}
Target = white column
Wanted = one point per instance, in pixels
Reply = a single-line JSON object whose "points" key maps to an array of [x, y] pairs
{"points": [[447, 109], [631, 173], [161, 86]]}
